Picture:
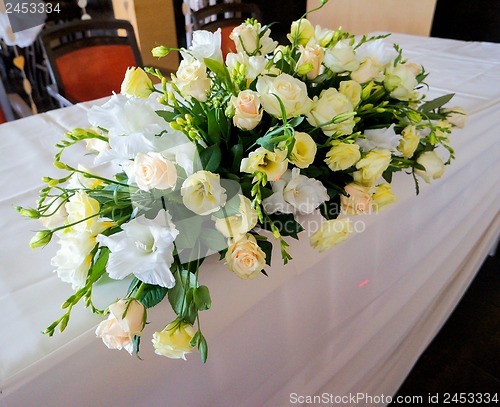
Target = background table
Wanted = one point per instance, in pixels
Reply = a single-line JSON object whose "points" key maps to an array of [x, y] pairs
{"points": [[354, 319]]}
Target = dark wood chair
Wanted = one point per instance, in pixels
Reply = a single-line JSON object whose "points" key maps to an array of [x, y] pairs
{"points": [[87, 60], [225, 16], [12, 106]]}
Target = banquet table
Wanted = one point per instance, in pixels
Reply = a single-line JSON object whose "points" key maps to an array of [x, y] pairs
{"points": [[351, 320]]}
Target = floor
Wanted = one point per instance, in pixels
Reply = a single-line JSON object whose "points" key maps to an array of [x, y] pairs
{"points": [[465, 355]]}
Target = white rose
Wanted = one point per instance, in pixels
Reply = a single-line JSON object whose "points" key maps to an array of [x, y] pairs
{"points": [[379, 139], [191, 79], [239, 224], [206, 44], [249, 38], [295, 193], [245, 258], [174, 341], [253, 65], [273, 164], [73, 259], [304, 150], [331, 233], [330, 104], [126, 319], [341, 58], [352, 90], [369, 70], [400, 81], [152, 170], [202, 193], [291, 91], [310, 61], [358, 199], [434, 166], [247, 111]]}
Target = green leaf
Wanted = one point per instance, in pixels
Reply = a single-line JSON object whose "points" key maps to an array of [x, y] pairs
{"points": [[267, 248], [168, 116], [201, 297], [214, 130], [184, 280], [219, 70], [286, 224], [152, 295], [203, 348], [436, 103], [210, 158], [331, 209], [237, 153]]}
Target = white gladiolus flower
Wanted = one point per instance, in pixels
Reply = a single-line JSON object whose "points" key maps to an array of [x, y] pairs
{"points": [[144, 248], [380, 139], [206, 44]]}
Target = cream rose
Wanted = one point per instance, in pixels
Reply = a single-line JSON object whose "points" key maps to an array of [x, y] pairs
{"points": [[330, 104], [341, 58], [301, 32], [400, 81], [202, 193], [352, 90], [273, 164], [383, 197], [291, 91], [191, 79], [174, 341], [434, 166], [247, 111], [126, 319], [371, 167], [358, 199], [239, 224], [409, 142], [331, 233], [369, 70], [304, 150], [137, 83], [342, 156], [245, 258], [249, 38], [153, 171], [311, 58]]}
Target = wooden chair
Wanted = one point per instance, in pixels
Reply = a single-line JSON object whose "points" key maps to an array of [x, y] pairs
{"points": [[225, 16], [87, 60], [12, 106]]}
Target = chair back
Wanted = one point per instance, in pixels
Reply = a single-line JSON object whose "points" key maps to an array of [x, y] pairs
{"points": [[87, 59], [225, 16], [6, 113]]}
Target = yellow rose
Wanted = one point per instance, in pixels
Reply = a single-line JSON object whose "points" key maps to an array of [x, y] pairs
{"points": [[358, 199], [245, 258], [352, 90], [202, 193], [302, 30], [137, 83], [342, 156], [304, 150], [409, 142], [383, 197], [331, 233], [434, 166], [174, 341], [274, 164], [238, 224], [371, 167], [126, 319]]}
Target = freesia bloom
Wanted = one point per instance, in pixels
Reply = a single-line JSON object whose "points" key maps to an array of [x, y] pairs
{"points": [[174, 341], [434, 166], [323, 36], [296, 193], [358, 199], [83, 211], [331, 233], [143, 248], [371, 167], [330, 104], [152, 170], [247, 111], [304, 150], [409, 142], [245, 258], [291, 91], [301, 32], [341, 58], [240, 223], [126, 319], [202, 193], [191, 79], [383, 197], [379, 139], [137, 83], [273, 164], [342, 156], [206, 44]]}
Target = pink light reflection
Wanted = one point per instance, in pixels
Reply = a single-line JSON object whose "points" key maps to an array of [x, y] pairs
{"points": [[363, 283]]}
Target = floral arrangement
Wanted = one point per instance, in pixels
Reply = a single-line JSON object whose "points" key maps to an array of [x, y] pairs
{"points": [[225, 157]]}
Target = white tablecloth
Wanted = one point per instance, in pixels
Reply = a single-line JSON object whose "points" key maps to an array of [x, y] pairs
{"points": [[353, 320]]}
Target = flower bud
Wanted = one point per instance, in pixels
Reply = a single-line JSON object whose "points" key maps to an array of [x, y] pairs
{"points": [[160, 51], [28, 212], [41, 238]]}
